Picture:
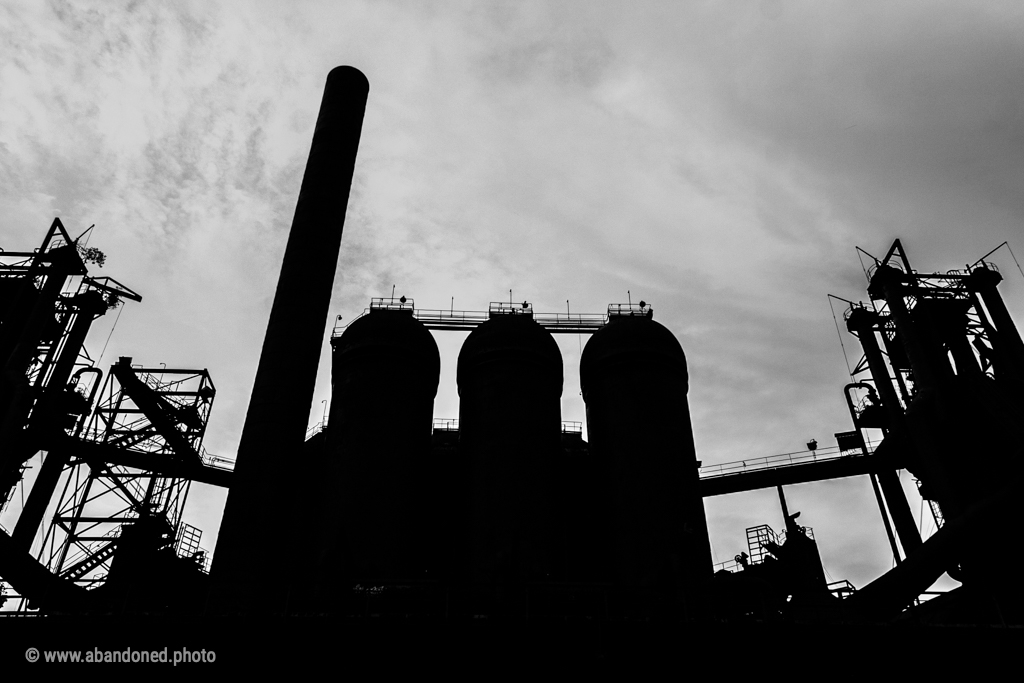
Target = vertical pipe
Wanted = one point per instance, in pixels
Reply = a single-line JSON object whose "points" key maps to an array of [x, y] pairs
{"points": [[90, 305], [16, 399], [1007, 338], [885, 518], [275, 424], [64, 261], [899, 509], [932, 371], [786, 521], [862, 323]]}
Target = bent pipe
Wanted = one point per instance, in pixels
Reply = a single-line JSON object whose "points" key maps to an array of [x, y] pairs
{"points": [[888, 595], [32, 580]]}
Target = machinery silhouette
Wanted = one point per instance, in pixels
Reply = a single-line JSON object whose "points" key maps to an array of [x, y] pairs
{"points": [[506, 513]]}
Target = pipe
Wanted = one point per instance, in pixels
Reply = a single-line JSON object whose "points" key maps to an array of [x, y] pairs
{"points": [[1007, 339], [979, 525], [34, 581], [863, 323], [275, 424]]}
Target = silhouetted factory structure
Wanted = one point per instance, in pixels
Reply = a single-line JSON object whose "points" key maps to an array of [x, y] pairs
{"points": [[506, 513]]}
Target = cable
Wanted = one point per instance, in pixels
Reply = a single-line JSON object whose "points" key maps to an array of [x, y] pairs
{"points": [[1014, 258], [840, 335], [113, 327], [1004, 244]]}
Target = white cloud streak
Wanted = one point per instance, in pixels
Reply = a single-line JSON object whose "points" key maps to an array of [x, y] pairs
{"points": [[720, 160]]}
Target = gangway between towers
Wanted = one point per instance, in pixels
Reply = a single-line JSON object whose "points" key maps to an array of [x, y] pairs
{"points": [[451, 319], [786, 468], [769, 462], [451, 425]]}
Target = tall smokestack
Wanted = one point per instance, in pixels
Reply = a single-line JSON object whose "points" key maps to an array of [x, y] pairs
{"points": [[275, 425]]}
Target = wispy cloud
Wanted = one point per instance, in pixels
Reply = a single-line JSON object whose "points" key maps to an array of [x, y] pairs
{"points": [[719, 160]]}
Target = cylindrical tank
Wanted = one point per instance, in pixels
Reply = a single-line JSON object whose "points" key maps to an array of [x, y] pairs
{"points": [[384, 378], [510, 386], [634, 381]]}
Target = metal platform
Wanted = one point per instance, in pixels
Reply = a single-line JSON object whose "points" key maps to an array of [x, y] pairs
{"points": [[453, 320], [785, 469]]}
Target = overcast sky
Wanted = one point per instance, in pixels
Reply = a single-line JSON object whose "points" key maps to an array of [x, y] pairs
{"points": [[720, 160]]}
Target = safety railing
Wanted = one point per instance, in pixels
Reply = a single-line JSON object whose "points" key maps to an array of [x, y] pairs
{"points": [[630, 310], [451, 424], [451, 319], [985, 265], [854, 306], [502, 308], [216, 461], [758, 537], [731, 566], [842, 589], [571, 322], [380, 303], [315, 429], [774, 461], [444, 424], [438, 319]]}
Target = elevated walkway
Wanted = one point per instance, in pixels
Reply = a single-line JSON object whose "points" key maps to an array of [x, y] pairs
{"points": [[784, 469], [832, 462], [555, 323]]}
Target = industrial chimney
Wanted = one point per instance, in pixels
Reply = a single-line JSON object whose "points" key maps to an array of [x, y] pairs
{"points": [[275, 424]]}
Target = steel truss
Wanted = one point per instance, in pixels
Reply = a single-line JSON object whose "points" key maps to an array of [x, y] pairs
{"points": [[158, 418], [51, 303]]}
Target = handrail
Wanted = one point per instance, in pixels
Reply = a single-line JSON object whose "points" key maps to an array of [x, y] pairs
{"points": [[983, 264], [630, 310], [451, 424], [380, 303], [315, 429], [216, 461], [444, 424], [731, 566], [841, 588], [502, 308], [451, 319], [772, 462]]}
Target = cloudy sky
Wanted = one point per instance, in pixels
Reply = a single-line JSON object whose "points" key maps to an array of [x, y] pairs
{"points": [[720, 160]]}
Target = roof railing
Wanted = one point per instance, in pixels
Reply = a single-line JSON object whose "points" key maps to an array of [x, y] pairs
{"points": [[502, 308], [630, 310], [855, 306], [451, 424], [445, 424], [390, 303], [451, 319], [985, 265]]}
